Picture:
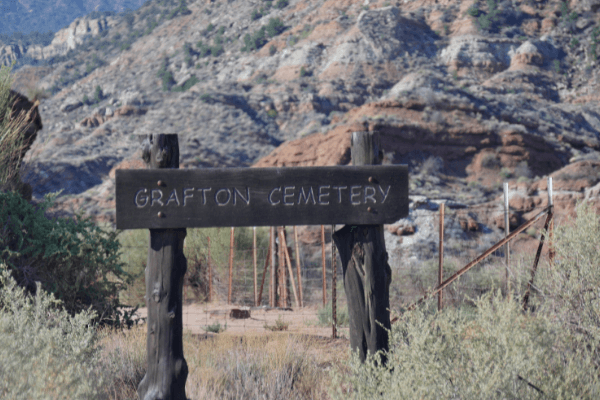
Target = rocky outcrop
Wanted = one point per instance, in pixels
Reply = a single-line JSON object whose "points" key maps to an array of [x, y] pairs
{"points": [[64, 40]]}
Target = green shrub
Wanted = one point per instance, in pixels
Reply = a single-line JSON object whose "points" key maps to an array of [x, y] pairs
{"points": [[494, 351], [274, 27], [568, 287], [255, 15], [272, 113], [215, 328], [574, 43], [325, 315], [282, 4], [45, 353], [98, 94], [272, 50], [73, 258]]}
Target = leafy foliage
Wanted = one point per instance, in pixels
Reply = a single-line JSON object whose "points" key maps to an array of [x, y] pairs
{"points": [[73, 259], [45, 353], [494, 350], [258, 39]]}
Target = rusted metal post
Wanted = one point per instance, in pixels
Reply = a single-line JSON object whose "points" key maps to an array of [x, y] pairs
{"points": [[254, 265], [539, 250], [323, 262], [551, 251], [476, 261], [283, 242], [298, 267], [333, 288], [441, 260], [262, 283], [282, 281], [273, 283], [506, 233], [210, 280], [230, 265]]}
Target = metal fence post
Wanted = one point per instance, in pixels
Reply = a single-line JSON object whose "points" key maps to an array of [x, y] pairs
{"points": [[441, 261], [506, 233], [323, 260]]}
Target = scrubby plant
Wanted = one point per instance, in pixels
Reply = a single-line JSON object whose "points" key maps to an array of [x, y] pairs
{"points": [[72, 258], [215, 328], [324, 314], [98, 94], [282, 4], [494, 349], [274, 27], [165, 75], [12, 131], [45, 353], [272, 50], [280, 325]]}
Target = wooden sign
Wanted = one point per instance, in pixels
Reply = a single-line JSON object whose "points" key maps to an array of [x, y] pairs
{"points": [[175, 198]]}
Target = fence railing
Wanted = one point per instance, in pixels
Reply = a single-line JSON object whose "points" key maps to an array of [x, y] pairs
{"points": [[279, 277]]}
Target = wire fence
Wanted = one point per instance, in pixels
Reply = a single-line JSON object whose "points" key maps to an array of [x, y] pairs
{"points": [[435, 233]]}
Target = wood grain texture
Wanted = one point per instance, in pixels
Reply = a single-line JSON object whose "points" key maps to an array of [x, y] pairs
{"points": [[167, 369], [261, 196]]}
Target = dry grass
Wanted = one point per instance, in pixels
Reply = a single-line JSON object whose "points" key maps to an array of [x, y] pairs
{"points": [[274, 366]]}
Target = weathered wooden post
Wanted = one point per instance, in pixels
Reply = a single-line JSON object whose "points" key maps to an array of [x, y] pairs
{"points": [[441, 258], [167, 369], [367, 274]]}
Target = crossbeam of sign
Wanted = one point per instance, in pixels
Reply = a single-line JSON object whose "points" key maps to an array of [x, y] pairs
{"points": [[212, 197]]}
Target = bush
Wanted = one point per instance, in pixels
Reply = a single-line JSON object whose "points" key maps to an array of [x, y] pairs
{"points": [[494, 350], [569, 286], [282, 4], [73, 259], [275, 27], [45, 353], [98, 94], [325, 315]]}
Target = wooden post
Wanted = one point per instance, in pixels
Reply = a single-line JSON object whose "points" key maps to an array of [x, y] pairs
{"points": [[441, 260], [323, 262], [230, 265], [273, 286], [506, 233], [367, 274], [210, 280], [254, 265], [167, 369], [333, 288], [298, 266], [283, 242]]}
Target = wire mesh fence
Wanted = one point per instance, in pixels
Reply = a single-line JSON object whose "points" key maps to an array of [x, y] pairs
{"points": [[216, 300]]}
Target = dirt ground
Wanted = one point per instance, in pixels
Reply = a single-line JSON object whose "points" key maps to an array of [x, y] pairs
{"points": [[304, 321]]}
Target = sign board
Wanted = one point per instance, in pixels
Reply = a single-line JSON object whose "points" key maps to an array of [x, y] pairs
{"points": [[186, 198]]}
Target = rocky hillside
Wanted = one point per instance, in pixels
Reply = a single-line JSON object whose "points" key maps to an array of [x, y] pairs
{"points": [[468, 94], [51, 15]]}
